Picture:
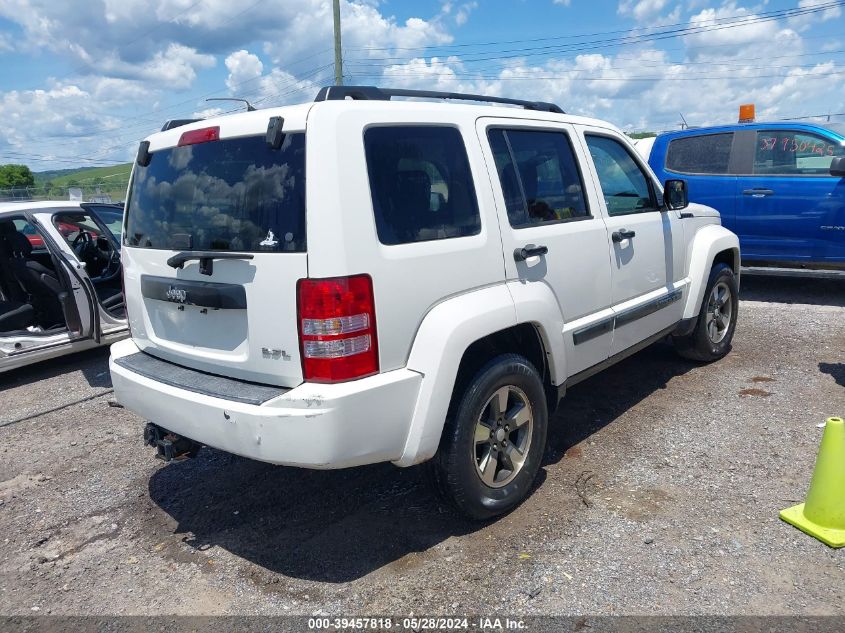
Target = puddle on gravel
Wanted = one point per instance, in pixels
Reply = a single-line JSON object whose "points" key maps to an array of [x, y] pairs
{"points": [[753, 391], [638, 505], [762, 379], [574, 452], [72, 538]]}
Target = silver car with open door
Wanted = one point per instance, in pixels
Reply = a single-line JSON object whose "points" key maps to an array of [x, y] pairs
{"points": [[60, 279]]}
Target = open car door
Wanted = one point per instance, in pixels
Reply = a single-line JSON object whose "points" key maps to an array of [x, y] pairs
{"points": [[52, 305]]}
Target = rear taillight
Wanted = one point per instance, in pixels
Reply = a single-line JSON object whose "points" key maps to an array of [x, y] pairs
{"points": [[337, 328]]}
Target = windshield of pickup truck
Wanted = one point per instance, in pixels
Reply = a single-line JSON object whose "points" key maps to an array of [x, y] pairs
{"points": [[228, 195]]}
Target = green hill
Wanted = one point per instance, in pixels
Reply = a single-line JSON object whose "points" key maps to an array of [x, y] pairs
{"points": [[106, 181]]}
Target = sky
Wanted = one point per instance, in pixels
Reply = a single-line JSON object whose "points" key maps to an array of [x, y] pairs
{"points": [[83, 81]]}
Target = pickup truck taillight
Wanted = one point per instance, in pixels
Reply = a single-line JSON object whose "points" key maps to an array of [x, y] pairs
{"points": [[337, 328]]}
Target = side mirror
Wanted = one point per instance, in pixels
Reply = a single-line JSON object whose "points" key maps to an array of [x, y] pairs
{"points": [[837, 166], [675, 195]]}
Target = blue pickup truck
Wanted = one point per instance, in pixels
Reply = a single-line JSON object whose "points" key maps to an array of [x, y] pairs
{"points": [[772, 183]]}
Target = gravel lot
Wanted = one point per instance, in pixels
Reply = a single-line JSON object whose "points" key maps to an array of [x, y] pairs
{"points": [[659, 495]]}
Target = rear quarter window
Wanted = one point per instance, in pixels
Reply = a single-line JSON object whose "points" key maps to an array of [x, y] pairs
{"points": [[421, 184], [705, 154]]}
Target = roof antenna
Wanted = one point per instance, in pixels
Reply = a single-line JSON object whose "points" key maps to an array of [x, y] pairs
{"points": [[249, 106], [684, 125]]}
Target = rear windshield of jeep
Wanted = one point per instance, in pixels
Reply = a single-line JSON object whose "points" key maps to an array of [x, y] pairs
{"points": [[229, 195]]}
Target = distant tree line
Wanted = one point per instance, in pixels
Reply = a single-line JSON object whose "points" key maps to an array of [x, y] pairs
{"points": [[14, 176]]}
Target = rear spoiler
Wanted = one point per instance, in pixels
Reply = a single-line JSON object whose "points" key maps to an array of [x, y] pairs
{"points": [[172, 123]]}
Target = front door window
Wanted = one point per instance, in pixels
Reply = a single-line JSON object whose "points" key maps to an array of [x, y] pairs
{"points": [[624, 185]]}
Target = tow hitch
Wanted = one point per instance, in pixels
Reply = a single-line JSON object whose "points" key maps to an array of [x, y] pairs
{"points": [[169, 446]]}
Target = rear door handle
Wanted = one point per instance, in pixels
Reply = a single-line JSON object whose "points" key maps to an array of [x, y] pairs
{"points": [[758, 193], [529, 250], [622, 234]]}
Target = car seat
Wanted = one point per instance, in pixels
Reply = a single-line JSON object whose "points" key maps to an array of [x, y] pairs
{"points": [[15, 315], [37, 281], [411, 203]]}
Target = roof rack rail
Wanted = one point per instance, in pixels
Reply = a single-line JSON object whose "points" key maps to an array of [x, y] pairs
{"points": [[332, 93], [172, 123]]}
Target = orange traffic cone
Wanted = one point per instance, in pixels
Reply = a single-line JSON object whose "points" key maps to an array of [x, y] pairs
{"points": [[823, 513]]}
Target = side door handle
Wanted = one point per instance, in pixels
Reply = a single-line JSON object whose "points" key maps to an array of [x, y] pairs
{"points": [[622, 234], [758, 193], [529, 250]]}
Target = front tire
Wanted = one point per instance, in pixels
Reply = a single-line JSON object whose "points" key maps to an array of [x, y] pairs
{"points": [[714, 328], [494, 439]]}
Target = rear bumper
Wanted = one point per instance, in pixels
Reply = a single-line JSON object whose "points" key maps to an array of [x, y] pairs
{"points": [[312, 425]]}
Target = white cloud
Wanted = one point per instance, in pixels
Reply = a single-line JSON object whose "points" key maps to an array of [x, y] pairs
{"points": [[206, 113], [641, 10], [175, 67], [129, 57], [714, 32], [644, 89], [64, 111], [243, 66], [828, 14], [246, 78], [366, 32], [102, 35], [462, 14], [133, 55], [803, 22]]}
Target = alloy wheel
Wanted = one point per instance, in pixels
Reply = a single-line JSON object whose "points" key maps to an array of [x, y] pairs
{"points": [[502, 436], [719, 312]]}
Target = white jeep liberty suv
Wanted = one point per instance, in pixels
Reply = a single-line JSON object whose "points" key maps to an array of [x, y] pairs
{"points": [[358, 280]]}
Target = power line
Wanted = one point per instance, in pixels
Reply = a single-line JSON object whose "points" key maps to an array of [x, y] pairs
{"points": [[632, 39], [399, 72], [125, 145], [640, 62], [778, 13], [466, 77], [745, 20], [75, 161], [136, 131], [298, 84], [812, 116], [190, 100]]}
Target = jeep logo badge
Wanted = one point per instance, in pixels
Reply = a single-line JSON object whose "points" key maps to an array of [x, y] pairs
{"points": [[177, 295]]}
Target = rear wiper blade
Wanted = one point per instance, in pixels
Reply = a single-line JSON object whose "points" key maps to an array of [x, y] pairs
{"points": [[206, 259]]}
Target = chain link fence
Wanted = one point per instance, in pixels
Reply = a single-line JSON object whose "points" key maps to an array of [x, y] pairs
{"points": [[111, 192]]}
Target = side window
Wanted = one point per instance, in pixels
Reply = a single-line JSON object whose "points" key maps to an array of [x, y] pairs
{"points": [[707, 154], [72, 225], [623, 183], [28, 231], [792, 153], [421, 184], [540, 178]]}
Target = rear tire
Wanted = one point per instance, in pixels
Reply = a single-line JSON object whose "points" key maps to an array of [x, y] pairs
{"points": [[494, 439], [714, 328]]}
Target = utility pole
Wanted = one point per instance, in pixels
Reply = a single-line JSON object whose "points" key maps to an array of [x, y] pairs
{"points": [[338, 58]]}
